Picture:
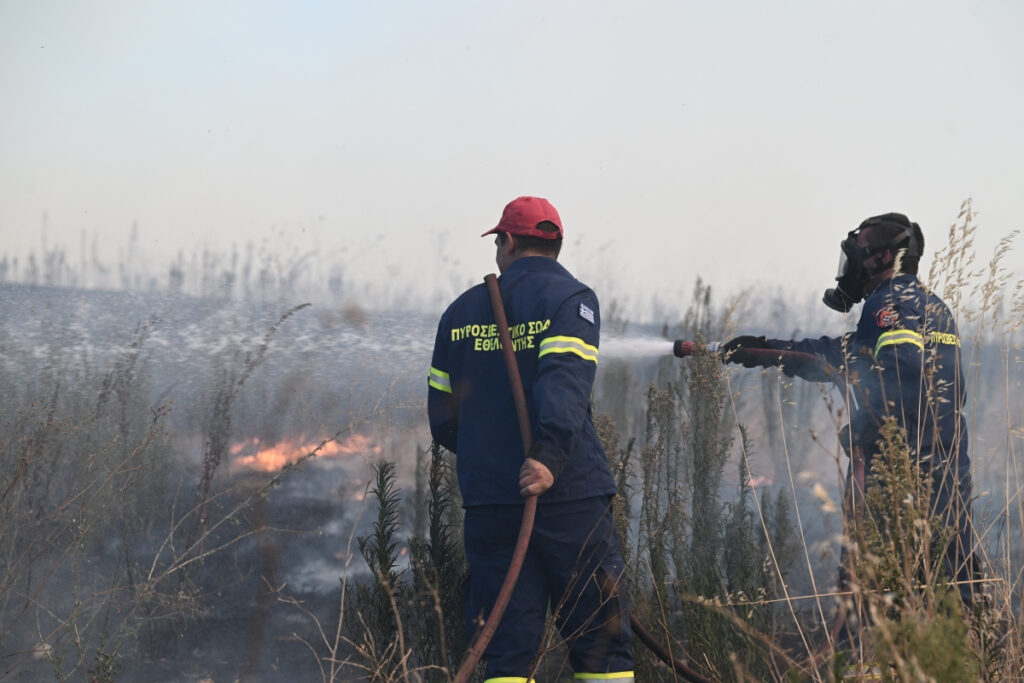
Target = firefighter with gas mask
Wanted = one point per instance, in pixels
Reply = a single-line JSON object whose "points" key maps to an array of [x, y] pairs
{"points": [[903, 361]]}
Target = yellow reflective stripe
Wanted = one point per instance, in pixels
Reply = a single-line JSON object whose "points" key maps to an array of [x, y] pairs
{"points": [[613, 676], [899, 337], [568, 345], [440, 380]]}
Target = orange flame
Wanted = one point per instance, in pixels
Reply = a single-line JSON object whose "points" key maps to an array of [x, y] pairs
{"points": [[274, 457]]}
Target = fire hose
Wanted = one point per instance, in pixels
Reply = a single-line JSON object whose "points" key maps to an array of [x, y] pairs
{"points": [[479, 645]]}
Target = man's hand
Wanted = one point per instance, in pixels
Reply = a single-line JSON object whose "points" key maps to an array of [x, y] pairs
{"points": [[745, 341], [534, 478], [735, 344]]}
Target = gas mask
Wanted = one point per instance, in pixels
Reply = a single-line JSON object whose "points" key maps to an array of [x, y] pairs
{"points": [[854, 273]]}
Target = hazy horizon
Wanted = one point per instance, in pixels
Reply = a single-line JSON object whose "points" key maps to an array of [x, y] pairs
{"points": [[733, 142]]}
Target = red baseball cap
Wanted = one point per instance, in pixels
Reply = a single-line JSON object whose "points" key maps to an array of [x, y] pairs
{"points": [[521, 217]]}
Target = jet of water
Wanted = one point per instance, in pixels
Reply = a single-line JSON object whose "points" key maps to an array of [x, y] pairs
{"points": [[636, 347]]}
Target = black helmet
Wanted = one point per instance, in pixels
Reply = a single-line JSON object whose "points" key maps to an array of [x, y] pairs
{"points": [[892, 232]]}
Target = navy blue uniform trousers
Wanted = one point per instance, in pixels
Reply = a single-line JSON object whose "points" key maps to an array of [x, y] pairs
{"points": [[572, 565]]}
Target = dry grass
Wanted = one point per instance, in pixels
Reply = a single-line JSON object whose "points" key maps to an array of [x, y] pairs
{"points": [[738, 579]]}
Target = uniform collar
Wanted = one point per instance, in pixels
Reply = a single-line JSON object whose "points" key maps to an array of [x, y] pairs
{"points": [[528, 264], [895, 281]]}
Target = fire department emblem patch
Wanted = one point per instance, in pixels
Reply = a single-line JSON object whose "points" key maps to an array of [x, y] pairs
{"points": [[885, 317]]}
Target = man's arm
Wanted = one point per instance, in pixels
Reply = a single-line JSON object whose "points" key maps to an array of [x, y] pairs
{"points": [[829, 349], [567, 364], [442, 405]]}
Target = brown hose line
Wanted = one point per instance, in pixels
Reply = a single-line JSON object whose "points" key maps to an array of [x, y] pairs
{"points": [[659, 650], [476, 651]]}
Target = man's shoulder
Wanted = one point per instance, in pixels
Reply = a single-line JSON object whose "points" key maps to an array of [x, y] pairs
{"points": [[895, 307], [543, 267], [568, 282], [878, 315], [895, 298], [550, 280], [471, 296], [466, 305]]}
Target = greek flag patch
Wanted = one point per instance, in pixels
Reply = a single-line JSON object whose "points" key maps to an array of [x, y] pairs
{"points": [[587, 314]]}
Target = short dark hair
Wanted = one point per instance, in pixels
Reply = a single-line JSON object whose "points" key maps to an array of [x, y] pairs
{"points": [[546, 247]]}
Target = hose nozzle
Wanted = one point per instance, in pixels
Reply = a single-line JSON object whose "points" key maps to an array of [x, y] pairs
{"points": [[682, 348]]}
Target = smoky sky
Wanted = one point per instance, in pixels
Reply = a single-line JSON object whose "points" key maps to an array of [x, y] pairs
{"points": [[733, 141]]}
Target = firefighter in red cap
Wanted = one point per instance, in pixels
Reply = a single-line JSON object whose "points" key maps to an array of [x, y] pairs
{"points": [[903, 361], [573, 566]]}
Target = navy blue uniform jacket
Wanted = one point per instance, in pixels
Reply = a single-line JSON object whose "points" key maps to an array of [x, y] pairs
{"points": [[903, 360], [555, 323]]}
